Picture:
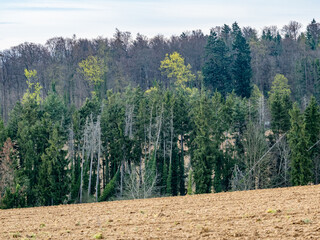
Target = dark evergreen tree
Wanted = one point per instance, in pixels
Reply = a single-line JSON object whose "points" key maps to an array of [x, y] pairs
{"points": [[241, 66], [312, 122], [113, 134], [301, 163], [226, 36], [313, 34], [202, 156], [54, 178], [216, 69], [182, 127]]}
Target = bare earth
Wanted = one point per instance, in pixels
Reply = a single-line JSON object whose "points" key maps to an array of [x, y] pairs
{"points": [[287, 213]]}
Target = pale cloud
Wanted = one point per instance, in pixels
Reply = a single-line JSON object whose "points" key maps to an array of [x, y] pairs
{"points": [[36, 21]]}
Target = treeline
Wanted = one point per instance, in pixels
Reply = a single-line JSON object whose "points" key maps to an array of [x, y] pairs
{"points": [[136, 61], [191, 130], [159, 142]]}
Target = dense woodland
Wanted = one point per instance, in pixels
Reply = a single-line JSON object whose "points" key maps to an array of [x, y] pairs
{"points": [[125, 118]]}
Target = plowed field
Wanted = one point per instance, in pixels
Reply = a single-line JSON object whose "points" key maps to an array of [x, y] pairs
{"points": [[287, 213]]}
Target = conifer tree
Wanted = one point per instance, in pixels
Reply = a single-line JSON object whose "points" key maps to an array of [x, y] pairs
{"points": [[241, 66], [54, 179], [301, 164], [280, 104], [312, 122], [226, 36], [313, 34], [181, 123], [216, 69], [202, 158]]}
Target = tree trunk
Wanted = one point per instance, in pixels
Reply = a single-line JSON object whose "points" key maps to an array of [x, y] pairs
{"points": [[90, 171], [99, 153], [81, 178]]}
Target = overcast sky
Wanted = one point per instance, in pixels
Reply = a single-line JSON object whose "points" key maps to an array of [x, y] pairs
{"points": [[38, 20]]}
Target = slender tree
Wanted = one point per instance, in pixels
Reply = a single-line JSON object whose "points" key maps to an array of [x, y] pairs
{"points": [[312, 128], [241, 66]]}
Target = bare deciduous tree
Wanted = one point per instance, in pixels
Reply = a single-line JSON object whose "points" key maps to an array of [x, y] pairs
{"points": [[136, 188]]}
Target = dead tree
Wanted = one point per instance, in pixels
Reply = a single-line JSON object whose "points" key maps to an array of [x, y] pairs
{"points": [[98, 137], [91, 149]]}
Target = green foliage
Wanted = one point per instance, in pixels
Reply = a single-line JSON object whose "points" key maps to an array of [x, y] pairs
{"points": [[312, 128], [312, 120], [14, 119], [301, 164], [92, 70], [216, 69], [54, 179], [55, 109], [174, 68], [112, 128], [179, 113], [241, 67], [13, 198], [280, 87], [202, 158], [90, 107], [98, 236], [34, 88], [280, 104], [110, 188], [313, 35]]}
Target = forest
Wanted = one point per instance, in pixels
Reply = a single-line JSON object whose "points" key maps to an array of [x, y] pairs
{"points": [[122, 118]]}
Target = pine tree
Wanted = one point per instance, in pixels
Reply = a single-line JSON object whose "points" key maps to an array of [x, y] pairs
{"points": [[226, 36], [32, 141], [54, 178], [301, 163], [241, 66], [313, 34], [216, 70], [202, 157], [219, 127], [312, 121]]}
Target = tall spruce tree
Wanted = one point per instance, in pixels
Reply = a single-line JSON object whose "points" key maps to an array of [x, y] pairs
{"points": [[241, 66], [182, 128], [313, 34], [226, 36], [216, 71], [54, 178], [312, 121], [202, 157], [301, 164]]}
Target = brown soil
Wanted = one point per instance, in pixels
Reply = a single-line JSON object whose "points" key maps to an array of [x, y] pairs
{"points": [[287, 213]]}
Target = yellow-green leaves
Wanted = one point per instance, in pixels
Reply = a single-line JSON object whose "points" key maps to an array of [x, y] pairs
{"points": [[174, 68], [92, 70], [30, 74], [280, 86], [34, 88]]}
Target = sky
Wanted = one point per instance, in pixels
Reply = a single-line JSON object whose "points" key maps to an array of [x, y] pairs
{"points": [[39, 20]]}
